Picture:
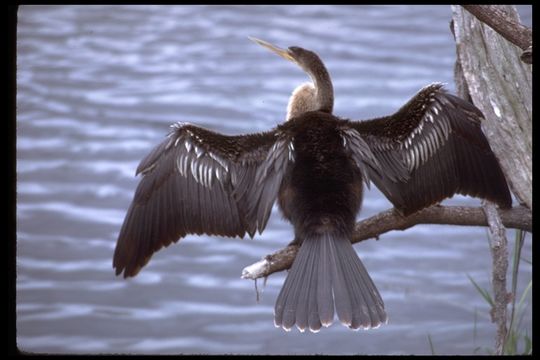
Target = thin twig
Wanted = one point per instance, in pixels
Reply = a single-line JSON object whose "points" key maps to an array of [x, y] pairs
{"points": [[518, 246], [499, 252]]}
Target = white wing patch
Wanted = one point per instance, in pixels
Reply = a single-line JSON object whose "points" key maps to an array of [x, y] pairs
{"points": [[418, 149], [204, 166]]}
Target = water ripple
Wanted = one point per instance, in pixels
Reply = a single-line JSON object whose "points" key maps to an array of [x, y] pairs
{"points": [[98, 87]]}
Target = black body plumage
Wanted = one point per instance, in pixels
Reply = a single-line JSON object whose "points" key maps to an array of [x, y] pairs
{"points": [[315, 164], [320, 194]]}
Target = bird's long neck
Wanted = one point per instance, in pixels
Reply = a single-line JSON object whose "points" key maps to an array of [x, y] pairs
{"points": [[324, 90], [316, 96]]}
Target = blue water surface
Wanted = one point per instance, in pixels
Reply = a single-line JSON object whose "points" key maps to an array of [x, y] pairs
{"points": [[97, 88]]}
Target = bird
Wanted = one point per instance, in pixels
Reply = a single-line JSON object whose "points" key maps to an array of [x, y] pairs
{"points": [[314, 165]]}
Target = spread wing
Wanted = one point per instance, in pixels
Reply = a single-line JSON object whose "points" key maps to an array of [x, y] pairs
{"points": [[430, 149], [198, 181]]}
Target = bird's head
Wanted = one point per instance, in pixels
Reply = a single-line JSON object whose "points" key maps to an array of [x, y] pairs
{"points": [[306, 97], [304, 58]]}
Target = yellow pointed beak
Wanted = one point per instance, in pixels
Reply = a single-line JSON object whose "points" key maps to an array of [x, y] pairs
{"points": [[281, 52]]}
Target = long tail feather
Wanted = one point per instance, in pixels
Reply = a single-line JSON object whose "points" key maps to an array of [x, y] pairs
{"points": [[327, 276]]}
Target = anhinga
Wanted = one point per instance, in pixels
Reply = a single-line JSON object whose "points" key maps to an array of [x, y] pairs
{"points": [[199, 181]]}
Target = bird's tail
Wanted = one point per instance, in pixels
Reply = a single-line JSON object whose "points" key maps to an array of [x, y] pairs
{"points": [[326, 274]]}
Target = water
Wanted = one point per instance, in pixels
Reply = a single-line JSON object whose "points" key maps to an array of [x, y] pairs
{"points": [[98, 87]]}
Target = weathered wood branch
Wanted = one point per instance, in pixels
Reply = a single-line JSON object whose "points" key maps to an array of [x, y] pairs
{"points": [[499, 253], [517, 218], [507, 25], [500, 85], [488, 70]]}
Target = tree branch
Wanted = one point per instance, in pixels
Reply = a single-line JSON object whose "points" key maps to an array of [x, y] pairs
{"points": [[512, 30], [484, 66], [500, 85], [499, 252], [517, 218]]}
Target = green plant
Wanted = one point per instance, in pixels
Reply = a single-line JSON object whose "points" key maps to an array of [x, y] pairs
{"points": [[515, 335], [431, 347]]}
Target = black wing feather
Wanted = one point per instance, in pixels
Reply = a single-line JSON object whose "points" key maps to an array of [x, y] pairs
{"points": [[432, 148], [198, 181]]}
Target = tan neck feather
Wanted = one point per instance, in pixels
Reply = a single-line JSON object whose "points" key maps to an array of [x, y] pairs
{"points": [[303, 99]]}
